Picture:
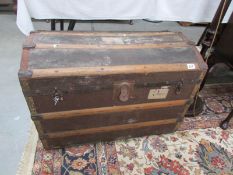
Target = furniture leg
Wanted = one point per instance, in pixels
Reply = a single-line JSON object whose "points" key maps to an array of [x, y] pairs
{"points": [[71, 25], [53, 24], [61, 24]]}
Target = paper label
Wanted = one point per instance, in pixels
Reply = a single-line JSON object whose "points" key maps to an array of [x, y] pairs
{"points": [[191, 66], [160, 93]]}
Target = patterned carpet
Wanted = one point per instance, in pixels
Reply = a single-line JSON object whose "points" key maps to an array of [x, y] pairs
{"points": [[198, 148]]}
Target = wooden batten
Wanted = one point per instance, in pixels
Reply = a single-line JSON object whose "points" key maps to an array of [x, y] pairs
{"points": [[117, 34], [106, 110], [64, 91], [111, 46], [24, 60], [109, 128], [111, 70]]}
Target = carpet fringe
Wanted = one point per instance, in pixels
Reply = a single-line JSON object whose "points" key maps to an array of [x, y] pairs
{"points": [[27, 159]]}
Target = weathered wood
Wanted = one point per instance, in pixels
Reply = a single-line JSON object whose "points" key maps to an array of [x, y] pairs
{"points": [[106, 110], [73, 122], [104, 89], [90, 86], [107, 136], [24, 61], [110, 70], [109, 128], [104, 33], [109, 46]]}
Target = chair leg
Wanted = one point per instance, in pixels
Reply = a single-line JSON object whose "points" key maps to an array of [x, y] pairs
{"points": [[71, 25], [225, 123], [53, 24], [61, 24]]}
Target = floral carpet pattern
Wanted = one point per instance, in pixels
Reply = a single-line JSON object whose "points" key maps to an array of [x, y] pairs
{"points": [[198, 148]]}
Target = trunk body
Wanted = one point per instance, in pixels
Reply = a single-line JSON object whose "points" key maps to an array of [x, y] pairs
{"points": [[84, 87]]}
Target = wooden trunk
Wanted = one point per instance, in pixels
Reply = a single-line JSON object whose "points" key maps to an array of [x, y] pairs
{"points": [[90, 86]]}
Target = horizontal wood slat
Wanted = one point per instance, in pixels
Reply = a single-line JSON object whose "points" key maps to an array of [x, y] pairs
{"points": [[109, 128], [117, 34], [105, 110], [111, 46], [111, 70], [72, 82]]}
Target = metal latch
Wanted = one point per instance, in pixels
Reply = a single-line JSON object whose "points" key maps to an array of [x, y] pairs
{"points": [[179, 87], [57, 96]]}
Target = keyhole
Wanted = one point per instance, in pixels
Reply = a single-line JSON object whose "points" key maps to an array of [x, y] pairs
{"points": [[124, 93]]}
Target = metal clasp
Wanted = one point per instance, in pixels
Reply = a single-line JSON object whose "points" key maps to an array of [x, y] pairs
{"points": [[57, 96], [179, 87]]}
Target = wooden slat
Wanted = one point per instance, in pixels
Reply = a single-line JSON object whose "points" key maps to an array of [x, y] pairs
{"points": [[24, 60], [117, 34], [111, 46], [109, 128], [113, 109], [111, 70]]}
